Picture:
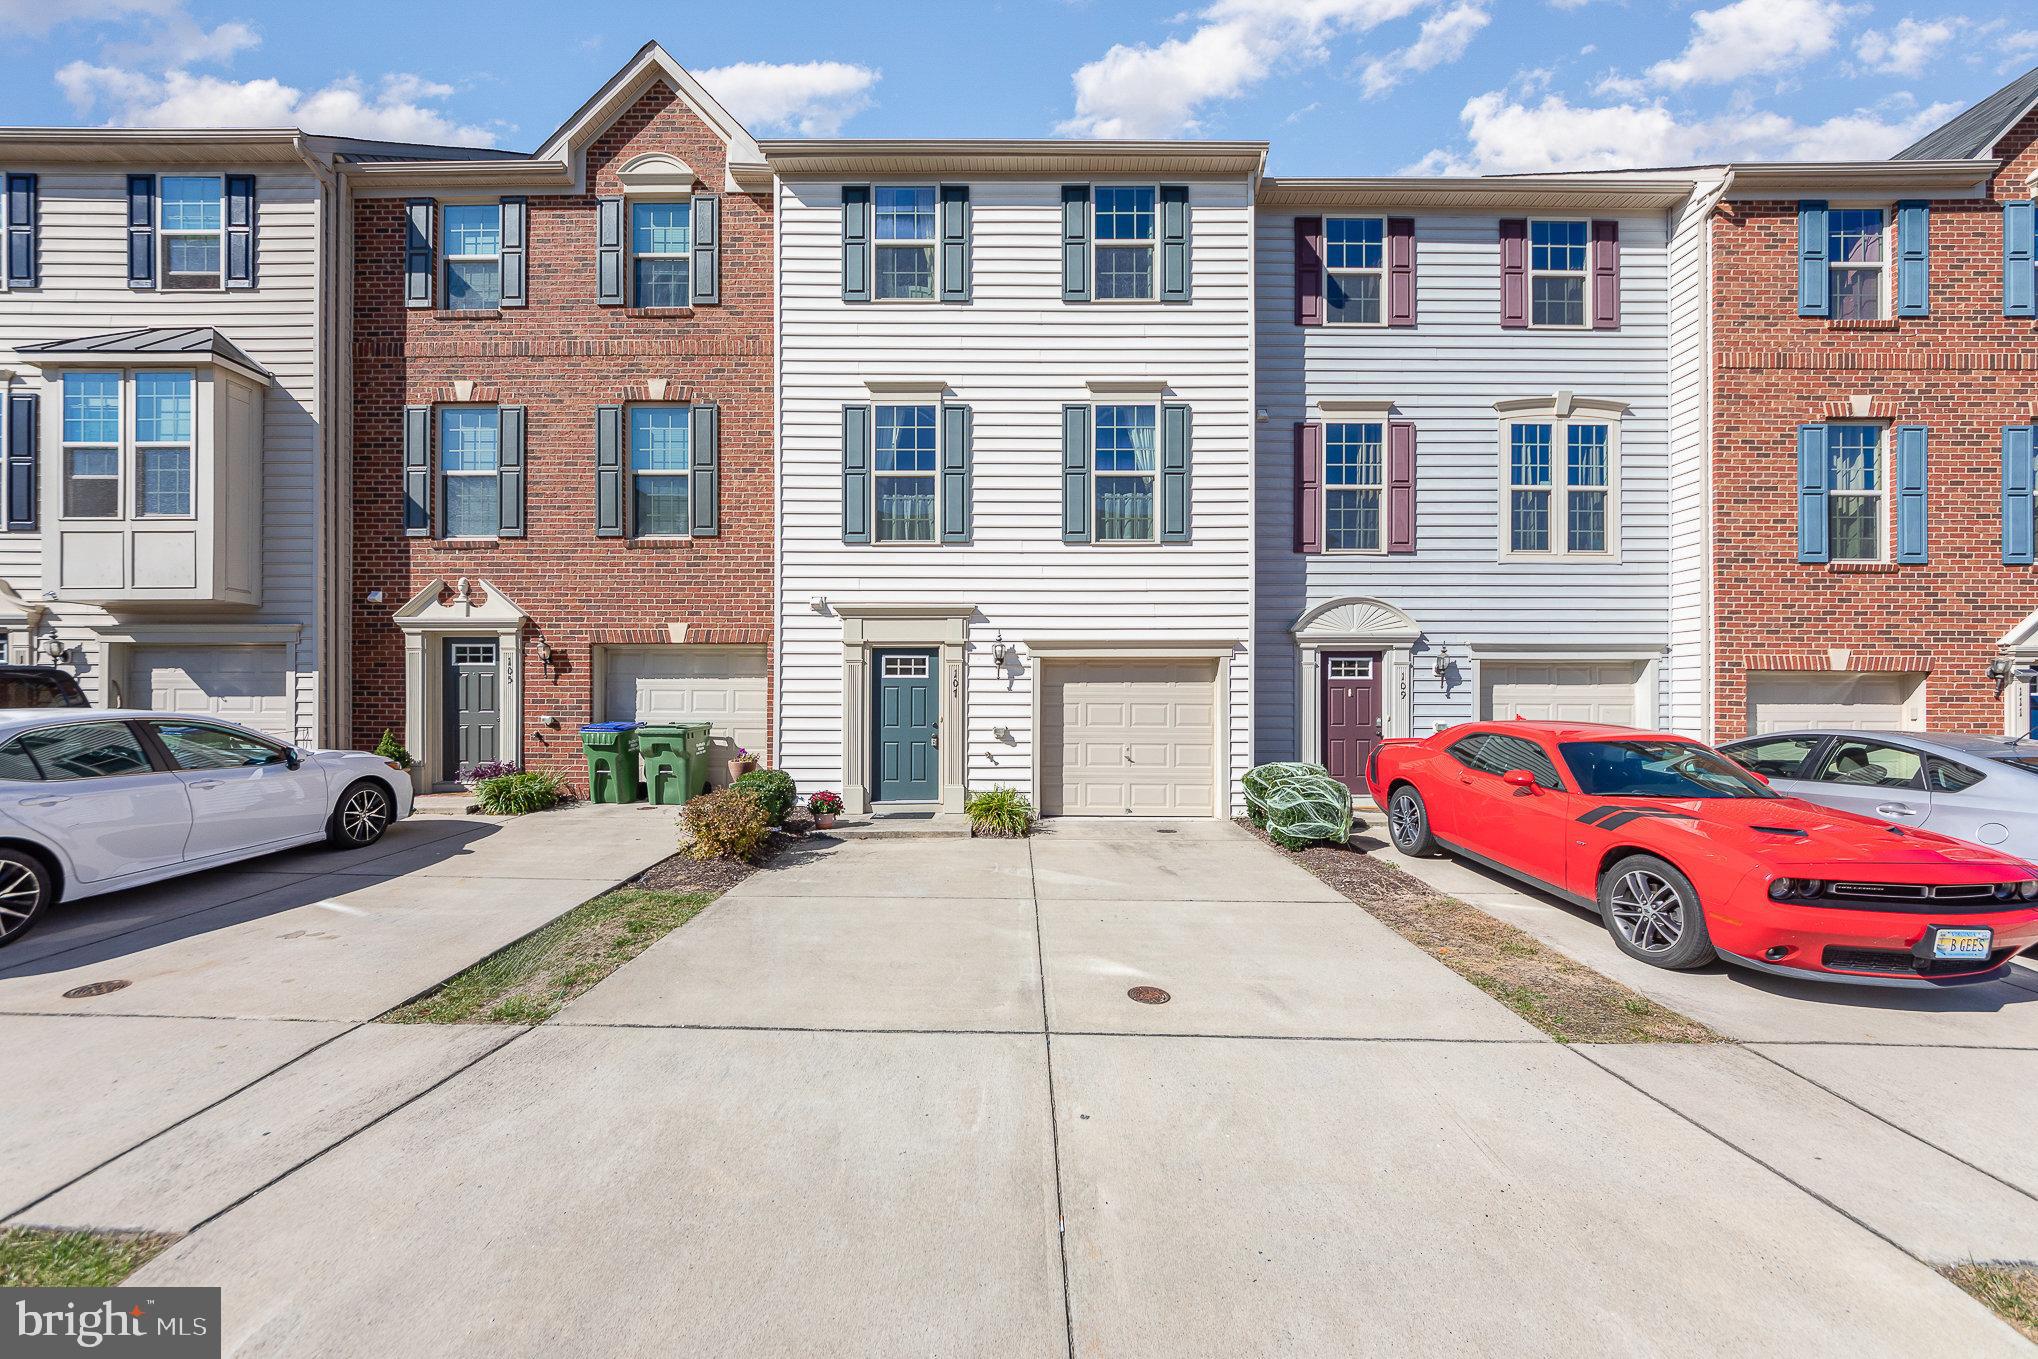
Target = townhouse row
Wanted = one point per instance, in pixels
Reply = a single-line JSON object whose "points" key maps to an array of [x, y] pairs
{"points": [[1104, 470]]}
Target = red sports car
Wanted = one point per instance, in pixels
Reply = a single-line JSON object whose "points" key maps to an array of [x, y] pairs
{"points": [[1687, 856]]}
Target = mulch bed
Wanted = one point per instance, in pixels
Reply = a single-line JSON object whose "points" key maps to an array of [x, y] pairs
{"points": [[684, 873]]}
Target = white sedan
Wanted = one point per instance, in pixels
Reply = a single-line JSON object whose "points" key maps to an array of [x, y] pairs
{"points": [[96, 800]]}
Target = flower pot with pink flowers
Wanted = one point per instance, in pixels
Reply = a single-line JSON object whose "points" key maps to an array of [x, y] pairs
{"points": [[825, 807]]}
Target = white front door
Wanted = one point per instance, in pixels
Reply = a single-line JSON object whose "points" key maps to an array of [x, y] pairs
{"points": [[101, 800], [723, 686], [245, 684], [1129, 738], [244, 794], [1566, 691]]}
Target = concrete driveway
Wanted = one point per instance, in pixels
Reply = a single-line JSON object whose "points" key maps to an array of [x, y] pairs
{"points": [[892, 1098]]}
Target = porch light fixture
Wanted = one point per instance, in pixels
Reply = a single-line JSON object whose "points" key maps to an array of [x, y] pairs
{"points": [[1000, 653], [1443, 662], [2003, 670]]}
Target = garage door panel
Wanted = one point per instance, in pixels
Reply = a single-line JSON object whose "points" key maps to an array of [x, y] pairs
{"points": [[1129, 738], [1552, 691], [722, 686], [1865, 701], [245, 684]]}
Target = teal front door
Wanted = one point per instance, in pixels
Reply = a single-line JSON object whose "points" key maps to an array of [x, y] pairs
{"points": [[908, 744]]}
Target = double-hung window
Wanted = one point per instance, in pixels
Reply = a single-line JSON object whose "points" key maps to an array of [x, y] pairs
{"points": [[1124, 241], [1856, 241], [1557, 272], [1125, 470], [473, 251], [470, 453], [906, 462], [1355, 270], [193, 231], [661, 254], [1587, 475], [92, 436], [1354, 484], [162, 443], [903, 244], [661, 458], [1560, 483], [1857, 492]]}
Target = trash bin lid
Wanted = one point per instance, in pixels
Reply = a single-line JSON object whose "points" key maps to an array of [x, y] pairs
{"points": [[611, 726]]}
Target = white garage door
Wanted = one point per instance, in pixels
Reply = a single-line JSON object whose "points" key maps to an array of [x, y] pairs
{"points": [[1129, 738], [721, 685], [1560, 691], [1843, 702], [245, 684]]}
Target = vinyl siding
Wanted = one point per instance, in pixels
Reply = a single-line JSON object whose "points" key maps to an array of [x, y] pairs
{"points": [[1687, 709]]}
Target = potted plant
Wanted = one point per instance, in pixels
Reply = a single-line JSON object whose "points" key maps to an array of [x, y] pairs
{"points": [[826, 807], [741, 763], [391, 749]]}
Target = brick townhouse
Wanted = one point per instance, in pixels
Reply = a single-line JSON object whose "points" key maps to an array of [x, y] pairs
{"points": [[562, 433], [1874, 385]]}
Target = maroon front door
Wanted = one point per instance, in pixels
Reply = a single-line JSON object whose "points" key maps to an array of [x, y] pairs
{"points": [[1351, 716]]}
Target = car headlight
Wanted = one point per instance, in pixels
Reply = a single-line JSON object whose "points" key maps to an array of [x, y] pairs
{"points": [[1781, 889], [2028, 890], [394, 765]]}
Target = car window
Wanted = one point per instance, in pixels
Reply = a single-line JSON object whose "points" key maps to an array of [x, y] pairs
{"points": [[195, 745], [16, 766], [1856, 763], [1652, 768], [1504, 754], [38, 691], [87, 750], [1466, 750], [1947, 777], [1779, 757]]}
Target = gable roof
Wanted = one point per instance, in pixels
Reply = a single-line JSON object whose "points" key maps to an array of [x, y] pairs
{"points": [[1976, 132]]}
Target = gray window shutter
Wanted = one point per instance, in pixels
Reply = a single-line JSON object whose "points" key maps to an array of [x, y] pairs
{"points": [[955, 243], [856, 243], [23, 262], [2017, 490], [955, 474], [418, 254], [516, 232], [1174, 474], [240, 231], [704, 447], [509, 474], [707, 250], [417, 471], [1914, 259], [608, 253], [856, 474], [2020, 246], [22, 433], [1813, 530], [1814, 278], [1910, 494], [1174, 227], [1075, 247], [608, 471], [1075, 472], [141, 231]]}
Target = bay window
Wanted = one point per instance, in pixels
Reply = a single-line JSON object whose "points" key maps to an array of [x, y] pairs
{"points": [[92, 440], [162, 443]]}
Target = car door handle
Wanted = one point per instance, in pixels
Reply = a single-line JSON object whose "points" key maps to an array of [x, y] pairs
{"points": [[205, 783], [43, 801], [1896, 809]]}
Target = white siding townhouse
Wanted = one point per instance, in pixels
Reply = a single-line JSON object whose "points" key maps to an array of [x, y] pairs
{"points": [[1015, 446]]}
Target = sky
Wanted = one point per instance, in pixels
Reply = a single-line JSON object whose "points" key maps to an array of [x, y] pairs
{"points": [[1340, 87]]}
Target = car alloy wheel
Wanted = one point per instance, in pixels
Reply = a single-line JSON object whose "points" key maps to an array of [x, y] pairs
{"points": [[363, 816], [1648, 910], [1404, 820], [24, 891]]}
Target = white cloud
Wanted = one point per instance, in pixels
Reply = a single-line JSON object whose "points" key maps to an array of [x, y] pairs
{"points": [[397, 108], [163, 31], [2017, 49], [1905, 49], [812, 98], [1741, 39], [1443, 39], [1157, 90], [40, 16]]}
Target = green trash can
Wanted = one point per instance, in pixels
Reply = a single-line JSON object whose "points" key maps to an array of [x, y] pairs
{"points": [[611, 750], [675, 760]]}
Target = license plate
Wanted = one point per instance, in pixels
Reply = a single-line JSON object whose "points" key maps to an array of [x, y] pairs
{"points": [[1962, 945]]}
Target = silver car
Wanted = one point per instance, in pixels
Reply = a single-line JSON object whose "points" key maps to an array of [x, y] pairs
{"points": [[1978, 788]]}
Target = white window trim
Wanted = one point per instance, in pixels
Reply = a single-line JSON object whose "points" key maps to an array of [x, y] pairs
{"points": [[876, 477], [1885, 515], [1324, 490], [1583, 275], [121, 460], [632, 254], [163, 233], [1885, 292], [1379, 273], [440, 474], [132, 429], [1152, 244], [1097, 538], [630, 473], [447, 258], [933, 242], [1560, 414]]}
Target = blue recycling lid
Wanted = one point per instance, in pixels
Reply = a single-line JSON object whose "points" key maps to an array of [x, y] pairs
{"points": [[611, 726]]}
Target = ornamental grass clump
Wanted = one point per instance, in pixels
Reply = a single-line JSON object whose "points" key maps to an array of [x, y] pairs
{"points": [[1003, 813], [517, 794], [729, 823]]}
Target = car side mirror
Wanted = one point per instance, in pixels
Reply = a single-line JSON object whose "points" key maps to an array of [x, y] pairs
{"points": [[293, 757], [1519, 778]]}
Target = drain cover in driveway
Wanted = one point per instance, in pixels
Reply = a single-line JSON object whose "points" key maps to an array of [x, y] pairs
{"points": [[105, 988], [1149, 995]]}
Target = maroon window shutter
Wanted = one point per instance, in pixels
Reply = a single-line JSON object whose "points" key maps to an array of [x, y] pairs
{"points": [[1606, 275], [1308, 486], [1401, 486], [1308, 271], [1514, 312], [1400, 271]]}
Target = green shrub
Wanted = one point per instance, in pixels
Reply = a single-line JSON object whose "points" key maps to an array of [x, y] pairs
{"points": [[729, 823], [774, 789], [1001, 812], [534, 790], [389, 748]]}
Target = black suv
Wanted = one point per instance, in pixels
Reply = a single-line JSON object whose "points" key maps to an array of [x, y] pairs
{"points": [[39, 686]]}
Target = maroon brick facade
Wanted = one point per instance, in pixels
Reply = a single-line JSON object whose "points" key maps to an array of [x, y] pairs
{"points": [[560, 357], [1964, 372]]}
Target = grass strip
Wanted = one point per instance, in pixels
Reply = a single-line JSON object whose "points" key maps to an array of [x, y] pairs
{"points": [[42, 1257], [528, 982], [2010, 1291]]}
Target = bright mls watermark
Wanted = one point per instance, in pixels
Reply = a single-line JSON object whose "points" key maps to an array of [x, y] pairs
{"points": [[162, 1323]]}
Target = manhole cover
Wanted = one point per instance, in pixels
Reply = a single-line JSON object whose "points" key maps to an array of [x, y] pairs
{"points": [[105, 988], [1149, 995]]}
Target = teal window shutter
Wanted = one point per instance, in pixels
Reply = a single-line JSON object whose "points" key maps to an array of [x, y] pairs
{"points": [[2017, 494], [1814, 276], [23, 264], [515, 237], [1075, 253], [141, 233], [704, 446], [955, 243], [1813, 477], [509, 473], [1174, 474], [2020, 244], [856, 474], [22, 432], [1174, 207], [1075, 472], [706, 219], [1910, 494], [956, 432], [608, 255], [1913, 259], [417, 471], [417, 252], [608, 471], [856, 245]]}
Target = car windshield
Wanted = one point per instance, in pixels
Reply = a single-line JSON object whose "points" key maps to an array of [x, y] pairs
{"points": [[1678, 769]]}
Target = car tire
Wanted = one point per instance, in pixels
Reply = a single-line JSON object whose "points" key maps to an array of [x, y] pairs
{"points": [[1653, 913], [360, 816], [1408, 823], [26, 891]]}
